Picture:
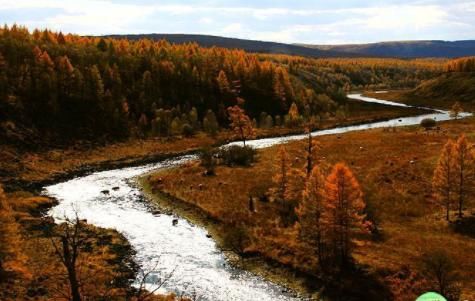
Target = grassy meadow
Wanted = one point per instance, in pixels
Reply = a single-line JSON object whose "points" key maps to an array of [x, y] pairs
{"points": [[394, 168]]}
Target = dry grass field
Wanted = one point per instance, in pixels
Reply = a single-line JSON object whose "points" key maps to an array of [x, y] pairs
{"points": [[394, 169], [17, 165]]}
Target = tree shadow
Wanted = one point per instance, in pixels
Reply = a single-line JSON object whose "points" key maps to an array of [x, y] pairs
{"points": [[465, 226], [356, 284]]}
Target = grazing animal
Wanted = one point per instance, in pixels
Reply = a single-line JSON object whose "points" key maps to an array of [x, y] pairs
{"points": [[106, 192], [175, 222]]}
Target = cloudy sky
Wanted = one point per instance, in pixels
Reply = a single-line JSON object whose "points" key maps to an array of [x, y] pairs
{"points": [[294, 21]]}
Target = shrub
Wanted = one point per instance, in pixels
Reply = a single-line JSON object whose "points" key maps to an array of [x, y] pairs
{"points": [[187, 130], [236, 239], [439, 270], [208, 160], [238, 155], [428, 123]]}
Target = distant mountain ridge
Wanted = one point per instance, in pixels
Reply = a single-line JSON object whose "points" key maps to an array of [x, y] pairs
{"points": [[405, 49], [231, 43], [401, 49]]}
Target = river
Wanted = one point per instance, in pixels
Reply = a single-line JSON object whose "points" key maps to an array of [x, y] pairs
{"points": [[196, 265]]}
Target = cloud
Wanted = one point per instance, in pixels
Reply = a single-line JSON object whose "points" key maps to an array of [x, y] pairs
{"points": [[206, 21], [303, 21], [233, 28]]}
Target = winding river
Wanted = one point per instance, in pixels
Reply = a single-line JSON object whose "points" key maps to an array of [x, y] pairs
{"points": [[196, 265]]}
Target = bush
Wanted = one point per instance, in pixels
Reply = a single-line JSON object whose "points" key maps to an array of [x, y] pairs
{"points": [[208, 160], [187, 130], [238, 155], [439, 270], [236, 239], [428, 123]]}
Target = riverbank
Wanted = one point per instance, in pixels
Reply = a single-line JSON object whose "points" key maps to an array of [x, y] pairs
{"points": [[28, 170], [36, 271], [290, 279], [37, 169], [394, 168], [441, 92]]}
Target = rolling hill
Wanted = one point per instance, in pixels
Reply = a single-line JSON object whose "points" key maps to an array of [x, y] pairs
{"points": [[448, 88], [233, 43], [406, 49], [402, 49]]}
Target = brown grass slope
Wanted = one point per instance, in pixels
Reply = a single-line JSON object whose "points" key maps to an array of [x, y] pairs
{"points": [[440, 92], [395, 171], [449, 87]]}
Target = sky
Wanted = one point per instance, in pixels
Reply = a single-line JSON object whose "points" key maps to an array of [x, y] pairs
{"points": [[294, 21]]}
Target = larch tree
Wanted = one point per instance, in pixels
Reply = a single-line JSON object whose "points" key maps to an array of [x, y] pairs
{"points": [[310, 153], [464, 170], [343, 215], [456, 110], [281, 177], [296, 185], [288, 185], [223, 82], [443, 182], [240, 123], [293, 117], [309, 213]]}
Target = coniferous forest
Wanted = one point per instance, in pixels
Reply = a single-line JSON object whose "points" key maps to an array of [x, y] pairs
{"points": [[145, 170], [57, 87]]}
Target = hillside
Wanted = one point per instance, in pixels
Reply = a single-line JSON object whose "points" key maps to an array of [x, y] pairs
{"points": [[403, 49], [407, 49], [440, 92], [449, 88], [233, 43]]}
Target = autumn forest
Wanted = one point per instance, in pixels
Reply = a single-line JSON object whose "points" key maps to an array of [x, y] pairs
{"points": [[141, 169]]}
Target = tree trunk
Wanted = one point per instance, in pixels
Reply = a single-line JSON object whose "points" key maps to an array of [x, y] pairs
{"points": [[71, 268], [448, 206], [461, 193], [309, 155]]}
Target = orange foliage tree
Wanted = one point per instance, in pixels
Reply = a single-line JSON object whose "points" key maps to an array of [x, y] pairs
{"points": [[310, 210], [343, 215], [285, 188], [444, 177], [464, 64], [240, 123], [464, 169], [281, 177], [456, 110]]}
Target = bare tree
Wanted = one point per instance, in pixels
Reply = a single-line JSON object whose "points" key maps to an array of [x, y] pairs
{"points": [[439, 269], [67, 242], [147, 277]]}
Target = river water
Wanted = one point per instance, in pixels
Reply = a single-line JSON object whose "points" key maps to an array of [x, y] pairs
{"points": [[197, 267]]}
